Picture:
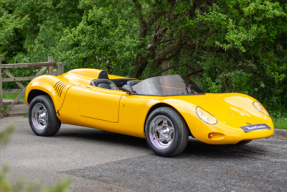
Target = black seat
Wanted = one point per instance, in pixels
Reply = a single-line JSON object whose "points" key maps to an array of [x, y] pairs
{"points": [[133, 82], [103, 75], [104, 83]]}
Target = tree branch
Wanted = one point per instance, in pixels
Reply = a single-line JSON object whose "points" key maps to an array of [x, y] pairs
{"points": [[142, 63], [154, 18], [164, 52], [142, 22], [195, 72], [205, 48], [169, 69], [164, 41]]}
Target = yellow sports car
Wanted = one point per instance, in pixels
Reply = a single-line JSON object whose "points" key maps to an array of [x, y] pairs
{"points": [[165, 110]]}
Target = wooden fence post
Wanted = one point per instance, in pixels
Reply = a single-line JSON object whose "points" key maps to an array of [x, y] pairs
{"points": [[1, 92], [51, 68], [60, 67]]}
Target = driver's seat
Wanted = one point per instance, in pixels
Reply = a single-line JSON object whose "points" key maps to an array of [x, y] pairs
{"points": [[104, 83]]}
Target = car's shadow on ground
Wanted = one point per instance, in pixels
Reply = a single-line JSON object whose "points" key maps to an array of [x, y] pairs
{"points": [[197, 148], [193, 148], [96, 135]]}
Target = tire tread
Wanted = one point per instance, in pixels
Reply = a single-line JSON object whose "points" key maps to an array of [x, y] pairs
{"points": [[54, 123], [180, 146]]}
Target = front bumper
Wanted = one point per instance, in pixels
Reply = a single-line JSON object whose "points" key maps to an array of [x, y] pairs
{"points": [[223, 134]]}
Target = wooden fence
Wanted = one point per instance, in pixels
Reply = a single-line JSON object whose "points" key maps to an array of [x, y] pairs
{"points": [[4, 68]]}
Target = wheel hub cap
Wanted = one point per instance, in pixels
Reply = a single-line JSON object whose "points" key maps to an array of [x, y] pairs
{"points": [[39, 116], [161, 132]]}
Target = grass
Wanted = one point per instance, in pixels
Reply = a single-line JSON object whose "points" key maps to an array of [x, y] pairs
{"points": [[12, 96], [280, 123], [4, 108]]}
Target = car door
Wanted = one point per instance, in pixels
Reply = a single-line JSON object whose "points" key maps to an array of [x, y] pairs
{"points": [[100, 103]]}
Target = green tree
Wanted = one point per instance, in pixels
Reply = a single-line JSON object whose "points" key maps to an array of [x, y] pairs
{"points": [[225, 45], [9, 24], [32, 28]]}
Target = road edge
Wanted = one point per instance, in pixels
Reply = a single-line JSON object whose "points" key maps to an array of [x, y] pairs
{"points": [[280, 133]]}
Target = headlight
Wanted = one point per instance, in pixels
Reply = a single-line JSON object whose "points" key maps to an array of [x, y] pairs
{"points": [[260, 107], [205, 116]]}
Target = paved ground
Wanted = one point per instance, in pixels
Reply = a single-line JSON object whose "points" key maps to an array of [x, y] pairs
{"points": [[100, 161]]}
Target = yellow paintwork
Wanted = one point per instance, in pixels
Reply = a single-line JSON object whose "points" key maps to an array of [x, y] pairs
{"points": [[116, 111]]}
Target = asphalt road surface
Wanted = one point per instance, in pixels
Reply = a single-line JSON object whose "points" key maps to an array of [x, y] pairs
{"points": [[101, 161]]}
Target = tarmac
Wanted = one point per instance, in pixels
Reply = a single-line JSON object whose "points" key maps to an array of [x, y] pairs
{"points": [[96, 160]]}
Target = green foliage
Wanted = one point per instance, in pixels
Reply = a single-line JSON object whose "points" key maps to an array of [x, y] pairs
{"points": [[35, 26], [100, 41], [280, 122], [212, 86], [21, 185], [9, 24], [4, 108], [252, 33], [224, 45]]}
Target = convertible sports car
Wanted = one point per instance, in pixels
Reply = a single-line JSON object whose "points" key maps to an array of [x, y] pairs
{"points": [[165, 110]]}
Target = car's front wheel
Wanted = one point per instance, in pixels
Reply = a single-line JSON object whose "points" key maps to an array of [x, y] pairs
{"points": [[166, 132], [42, 116]]}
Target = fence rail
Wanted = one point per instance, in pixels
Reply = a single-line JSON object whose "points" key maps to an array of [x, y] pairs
{"points": [[22, 65], [4, 68]]}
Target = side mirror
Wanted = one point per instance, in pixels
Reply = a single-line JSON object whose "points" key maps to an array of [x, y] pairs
{"points": [[127, 88]]}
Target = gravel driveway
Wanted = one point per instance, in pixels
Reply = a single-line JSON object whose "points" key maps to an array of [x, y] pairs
{"points": [[101, 161]]}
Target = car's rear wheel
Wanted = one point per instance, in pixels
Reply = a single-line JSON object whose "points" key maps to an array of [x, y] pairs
{"points": [[42, 116], [166, 132]]}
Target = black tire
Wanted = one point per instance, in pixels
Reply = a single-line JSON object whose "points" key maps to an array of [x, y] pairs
{"points": [[243, 142], [175, 129], [46, 123]]}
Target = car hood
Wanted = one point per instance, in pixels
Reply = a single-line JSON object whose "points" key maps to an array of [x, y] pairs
{"points": [[233, 109]]}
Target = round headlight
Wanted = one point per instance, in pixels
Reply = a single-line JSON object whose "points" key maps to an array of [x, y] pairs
{"points": [[205, 116], [260, 107]]}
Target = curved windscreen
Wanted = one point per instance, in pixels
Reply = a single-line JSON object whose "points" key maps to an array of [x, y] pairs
{"points": [[167, 85]]}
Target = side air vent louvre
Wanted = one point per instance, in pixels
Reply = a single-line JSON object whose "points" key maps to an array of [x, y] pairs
{"points": [[59, 86]]}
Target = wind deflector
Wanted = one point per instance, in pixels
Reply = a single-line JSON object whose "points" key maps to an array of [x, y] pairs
{"points": [[167, 86]]}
